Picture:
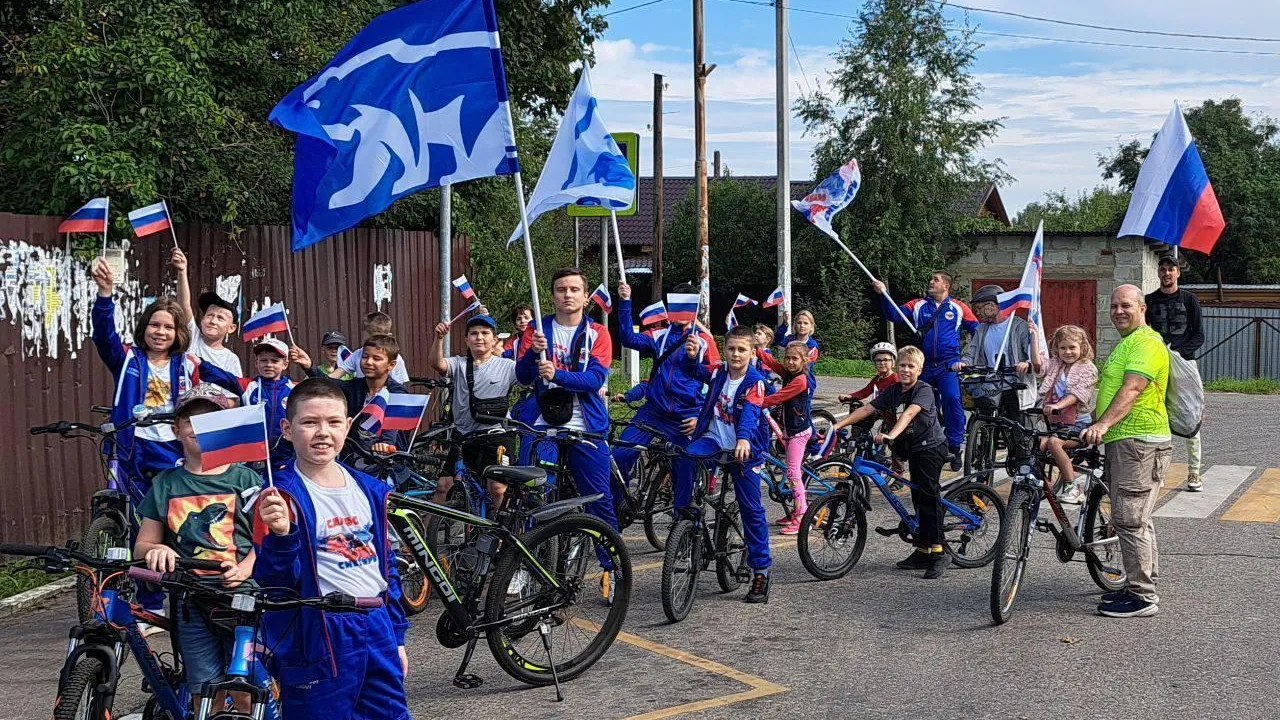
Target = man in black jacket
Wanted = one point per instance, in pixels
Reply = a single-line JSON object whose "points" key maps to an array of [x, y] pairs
{"points": [[1175, 314]]}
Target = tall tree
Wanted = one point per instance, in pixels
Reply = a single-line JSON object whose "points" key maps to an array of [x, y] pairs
{"points": [[1098, 210], [1242, 156]]}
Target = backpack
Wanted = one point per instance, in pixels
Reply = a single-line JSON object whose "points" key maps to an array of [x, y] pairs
{"points": [[1184, 399]]}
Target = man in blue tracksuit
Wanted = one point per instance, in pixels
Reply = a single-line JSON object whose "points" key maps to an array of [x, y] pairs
{"points": [[673, 395], [939, 318]]}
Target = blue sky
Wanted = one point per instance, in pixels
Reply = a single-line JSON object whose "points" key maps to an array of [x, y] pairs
{"points": [[1062, 104]]}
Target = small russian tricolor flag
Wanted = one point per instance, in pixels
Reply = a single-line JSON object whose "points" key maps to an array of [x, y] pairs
{"points": [[270, 319], [743, 301], [682, 307], [602, 298], [150, 219], [231, 436], [656, 312], [375, 410], [775, 298], [404, 411], [730, 321], [90, 218], [464, 287]]}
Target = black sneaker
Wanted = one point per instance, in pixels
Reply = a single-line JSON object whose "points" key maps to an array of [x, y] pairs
{"points": [[938, 563], [957, 461], [1132, 606], [759, 592], [1116, 596], [915, 561]]}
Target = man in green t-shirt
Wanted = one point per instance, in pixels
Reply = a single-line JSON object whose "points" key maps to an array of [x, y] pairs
{"points": [[1133, 423]]}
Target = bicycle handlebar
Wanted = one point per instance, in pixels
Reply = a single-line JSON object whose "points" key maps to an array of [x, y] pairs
{"points": [[430, 382], [60, 556], [551, 433], [263, 602], [65, 428]]}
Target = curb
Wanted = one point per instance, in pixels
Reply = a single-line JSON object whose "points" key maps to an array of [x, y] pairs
{"points": [[26, 600]]}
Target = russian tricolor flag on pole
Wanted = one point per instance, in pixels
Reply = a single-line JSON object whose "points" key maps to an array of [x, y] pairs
{"points": [[656, 312], [91, 218], [1027, 294], [682, 307], [270, 319], [744, 301], [1173, 200], [730, 321], [375, 410], [775, 299], [602, 298], [150, 219], [404, 411], [231, 436], [464, 287]]}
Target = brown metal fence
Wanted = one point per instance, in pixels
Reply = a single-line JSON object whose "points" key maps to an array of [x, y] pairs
{"points": [[45, 482]]}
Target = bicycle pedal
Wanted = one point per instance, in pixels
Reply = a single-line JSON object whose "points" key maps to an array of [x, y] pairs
{"points": [[467, 681], [1043, 526], [887, 532], [743, 574]]}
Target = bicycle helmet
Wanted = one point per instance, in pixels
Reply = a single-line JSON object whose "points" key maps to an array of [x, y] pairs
{"points": [[884, 347], [987, 293]]}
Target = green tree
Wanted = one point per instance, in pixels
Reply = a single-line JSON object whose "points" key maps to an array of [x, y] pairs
{"points": [[1100, 209], [1242, 157]]}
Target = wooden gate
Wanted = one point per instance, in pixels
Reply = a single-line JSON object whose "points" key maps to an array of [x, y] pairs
{"points": [[1064, 302]]}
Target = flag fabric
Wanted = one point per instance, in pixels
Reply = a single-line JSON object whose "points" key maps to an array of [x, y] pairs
{"points": [[90, 218], [1027, 294], [474, 304], [270, 319], [775, 298], [656, 312], [830, 197], [231, 436], [344, 352], [682, 307], [585, 165], [744, 301], [1173, 200], [375, 412], [417, 99], [602, 298], [730, 321], [404, 411], [150, 219], [464, 287]]}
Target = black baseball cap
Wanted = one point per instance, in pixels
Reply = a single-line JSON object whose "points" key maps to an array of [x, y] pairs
{"points": [[333, 337], [485, 320], [212, 299], [1169, 259]]}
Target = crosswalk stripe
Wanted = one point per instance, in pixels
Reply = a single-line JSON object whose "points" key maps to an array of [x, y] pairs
{"points": [[1220, 481], [1261, 502], [1176, 476]]}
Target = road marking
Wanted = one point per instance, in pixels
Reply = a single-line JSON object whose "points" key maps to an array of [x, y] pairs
{"points": [[1220, 481], [1261, 502], [1173, 479]]}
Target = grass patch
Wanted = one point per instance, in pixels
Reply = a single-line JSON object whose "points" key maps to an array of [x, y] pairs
{"points": [[841, 367], [14, 580], [1253, 386]]}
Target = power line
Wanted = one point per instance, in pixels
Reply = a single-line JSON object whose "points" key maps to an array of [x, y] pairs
{"points": [[796, 53], [1109, 28], [633, 7]]}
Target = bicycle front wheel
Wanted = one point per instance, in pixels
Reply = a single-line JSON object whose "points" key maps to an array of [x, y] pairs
{"points": [[103, 533], [731, 549], [79, 697], [832, 535], [659, 504], [680, 568], [971, 539], [980, 448], [1012, 548], [1105, 565], [415, 590], [822, 421], [578, 622]]}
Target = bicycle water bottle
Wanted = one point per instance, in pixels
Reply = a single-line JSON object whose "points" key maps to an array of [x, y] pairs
{"points": [[243, 655]]}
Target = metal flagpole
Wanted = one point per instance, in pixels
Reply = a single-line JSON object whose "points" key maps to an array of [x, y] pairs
{"points": [[617, 246], [106, 221], [872, 277], [288, 329], [267, 434], [169, 217]]}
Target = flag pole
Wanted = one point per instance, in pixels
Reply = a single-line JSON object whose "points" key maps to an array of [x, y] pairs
{"points": [[1005, 341], [617, 246], [267, 434], [106, 221], [288, 329], [169, 217], [872, 278]]}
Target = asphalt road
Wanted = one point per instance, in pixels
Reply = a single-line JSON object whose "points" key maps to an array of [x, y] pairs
{"points": [[882, 643]]}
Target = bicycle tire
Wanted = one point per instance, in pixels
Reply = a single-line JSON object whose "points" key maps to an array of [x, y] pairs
{"points": [[731, 548], [836, 521], [445, 536], [1097, 526], [836, 471], [102, 532], [659, 505], [822, 421], [680, 567], [1010, 564], [979, 436], [961, 542], [78, 697], [415, 590], [518, 648]]}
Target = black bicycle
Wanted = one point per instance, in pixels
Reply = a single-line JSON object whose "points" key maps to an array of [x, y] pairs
{"points": [[650, 498], [987, 392]]}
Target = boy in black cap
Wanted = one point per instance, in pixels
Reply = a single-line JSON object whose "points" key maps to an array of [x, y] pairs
{"points": [[217, 320], [331, 354]]}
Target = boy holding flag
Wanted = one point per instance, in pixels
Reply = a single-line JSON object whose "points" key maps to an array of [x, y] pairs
{"points": [[211, 328]]}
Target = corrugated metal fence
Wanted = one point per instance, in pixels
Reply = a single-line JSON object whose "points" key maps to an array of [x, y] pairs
{"points": [[1240, 343], [49, 370]]}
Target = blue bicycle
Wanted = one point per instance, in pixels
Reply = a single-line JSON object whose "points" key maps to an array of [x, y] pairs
{"points": [[833, 533]]}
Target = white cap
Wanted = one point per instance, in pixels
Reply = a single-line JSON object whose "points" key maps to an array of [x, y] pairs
{"points": [[274, 344]]}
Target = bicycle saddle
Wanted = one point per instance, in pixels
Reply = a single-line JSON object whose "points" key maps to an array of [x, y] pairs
{"points": [[524, 476]]}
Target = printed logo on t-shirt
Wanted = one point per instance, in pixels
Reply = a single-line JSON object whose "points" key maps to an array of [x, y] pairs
{"points": [[349, 539], [724, 408], [203, 526]]}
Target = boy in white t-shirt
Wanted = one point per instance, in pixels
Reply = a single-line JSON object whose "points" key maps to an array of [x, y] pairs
{"points": [[375, 323], [209, 329]]}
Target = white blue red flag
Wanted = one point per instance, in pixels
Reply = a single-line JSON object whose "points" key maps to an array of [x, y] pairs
{"points": [[375, 411], [743, 301], [270, 319], [775, 299], [602, 298], [585, 166], [730, 321], [150, 219], [682, 307], [464, 287], [1173, 200], [404, 411], [830, 197], [656, 312], [231, 436], [1027, 294], [344, 352], [91, 218]]}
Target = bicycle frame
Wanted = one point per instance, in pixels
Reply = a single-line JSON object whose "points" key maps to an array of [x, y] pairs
{"points": [[877, 473]]}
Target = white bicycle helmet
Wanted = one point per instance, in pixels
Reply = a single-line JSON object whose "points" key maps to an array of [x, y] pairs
{"points": [[884, 347]]}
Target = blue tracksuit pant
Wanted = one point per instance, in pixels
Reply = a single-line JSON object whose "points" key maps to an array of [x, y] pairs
{"points": [[947, 383], [746, 489], [590, 469], [625, 457], [369, 684]]}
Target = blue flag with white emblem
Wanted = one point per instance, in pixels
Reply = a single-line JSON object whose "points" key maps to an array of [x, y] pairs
{"points": [[416, 99], [585, 165]]}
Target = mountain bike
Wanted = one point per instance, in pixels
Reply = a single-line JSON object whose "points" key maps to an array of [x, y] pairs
{"points": [[985, 392], [1092, 534], [820, 474], [111, 510], [833, 533], [525, 592]]}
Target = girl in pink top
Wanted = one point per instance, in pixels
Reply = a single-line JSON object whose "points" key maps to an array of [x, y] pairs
{"points": [[1068, 391]]}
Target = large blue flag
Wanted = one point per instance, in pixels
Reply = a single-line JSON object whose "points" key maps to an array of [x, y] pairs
{"points": [[585, 165], [416, 99]]}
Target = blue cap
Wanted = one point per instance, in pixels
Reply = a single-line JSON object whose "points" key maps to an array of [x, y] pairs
{"points": [[486, 320]]}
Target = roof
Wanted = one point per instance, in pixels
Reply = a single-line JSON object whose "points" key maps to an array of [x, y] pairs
{"points": [[637, 230], [983, 200]]}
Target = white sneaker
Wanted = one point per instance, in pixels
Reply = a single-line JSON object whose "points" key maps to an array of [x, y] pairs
{"points": [[1194, 484]]}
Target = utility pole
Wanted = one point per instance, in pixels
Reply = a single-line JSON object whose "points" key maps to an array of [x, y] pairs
{"points": [[577, 242], [784, 155], [657, 188], [445, 238], [700, 73], [715, 164]]}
